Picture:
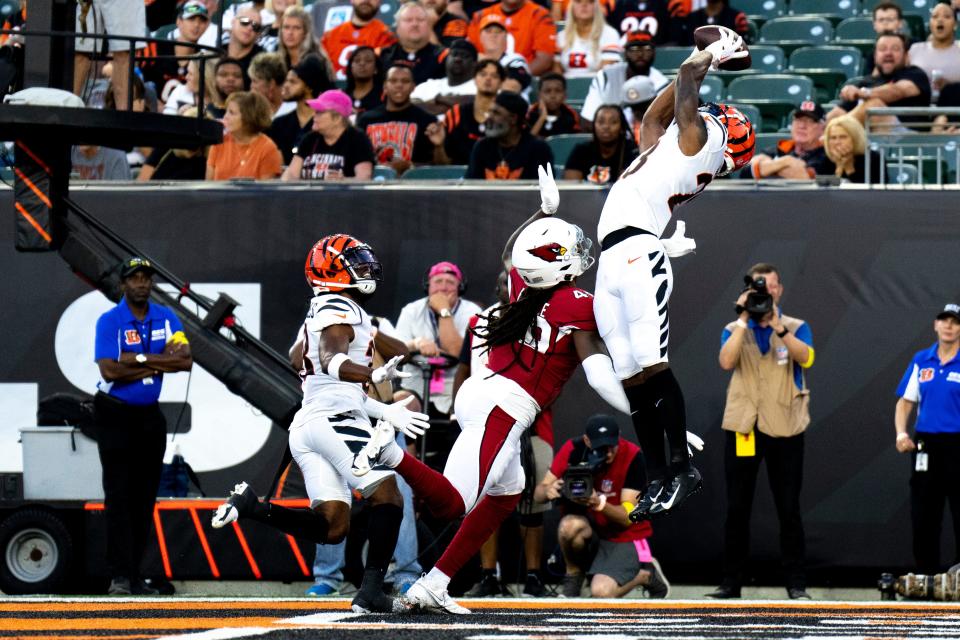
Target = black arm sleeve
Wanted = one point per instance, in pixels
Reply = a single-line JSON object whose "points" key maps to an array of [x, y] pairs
{"points": [[636, 474], [467, 346]]}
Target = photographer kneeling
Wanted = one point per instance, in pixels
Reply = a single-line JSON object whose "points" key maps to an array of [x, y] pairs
{"points": [[597, 479]]}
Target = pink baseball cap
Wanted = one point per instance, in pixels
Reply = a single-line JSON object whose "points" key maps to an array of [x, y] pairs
{"points": [[332, 100], [445, 267]]}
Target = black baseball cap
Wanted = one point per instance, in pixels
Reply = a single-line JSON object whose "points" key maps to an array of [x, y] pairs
{"points": [[950, 311], [133, 264], [603, 431], [810, 109]]}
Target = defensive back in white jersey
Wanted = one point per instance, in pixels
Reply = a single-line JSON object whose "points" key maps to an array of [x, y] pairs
{"points": [[660, 179], [323, 393]]}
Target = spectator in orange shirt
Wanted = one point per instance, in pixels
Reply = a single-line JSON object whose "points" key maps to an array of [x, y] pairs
{"points": [[532, 29], [413, 47], [246, 151], [363, 29], [446, 26]]}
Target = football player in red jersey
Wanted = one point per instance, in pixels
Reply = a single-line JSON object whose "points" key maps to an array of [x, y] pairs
{"points": [[535, 343]]}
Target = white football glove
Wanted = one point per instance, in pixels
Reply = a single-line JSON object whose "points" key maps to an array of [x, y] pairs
{"points": [[410, 423], [726, 47], [389, 371], [549, 193], [678, 244], [695, 441]]}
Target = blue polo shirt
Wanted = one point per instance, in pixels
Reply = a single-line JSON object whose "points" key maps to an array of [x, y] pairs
{"points": [[762, 336], [936, 390], [119, 331]]}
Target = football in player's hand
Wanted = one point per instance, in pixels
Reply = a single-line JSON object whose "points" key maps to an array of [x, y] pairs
{"points": [[708, 34]]}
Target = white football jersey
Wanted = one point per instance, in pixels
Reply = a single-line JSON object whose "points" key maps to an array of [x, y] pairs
{"points": [[321, 392], [660, 179]]}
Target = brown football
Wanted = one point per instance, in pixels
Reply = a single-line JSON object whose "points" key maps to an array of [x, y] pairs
{"points": [[709, 34]]}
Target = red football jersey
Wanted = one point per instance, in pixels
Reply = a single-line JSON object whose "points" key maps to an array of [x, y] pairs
{"points": [[543, 363]]}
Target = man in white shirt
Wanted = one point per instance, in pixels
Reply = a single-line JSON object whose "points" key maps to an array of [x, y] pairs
{"points": [[460, 64], [607, 87]]}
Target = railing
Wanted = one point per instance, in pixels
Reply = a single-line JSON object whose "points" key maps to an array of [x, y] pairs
{"points": [[926, 149]]}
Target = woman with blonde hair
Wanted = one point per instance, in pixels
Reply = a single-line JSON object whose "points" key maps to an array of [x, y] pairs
{"points": [[246, 151], [588, 43], [270, 36], [845, 142], [296, 37]]}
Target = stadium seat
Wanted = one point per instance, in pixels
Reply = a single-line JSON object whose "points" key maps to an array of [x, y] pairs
{"points": [[382, 172], [766, 141], [436, 172], [163, 31], [828, 67], [776, 95], [577, 89], [919, 7], [900, 174], [792, 33], [856, 32], [8, 8], [562, 145], [834, 10], [767, 58], [752, 113], [712, 89], [762, 10], [387, 10], [669, 59]]}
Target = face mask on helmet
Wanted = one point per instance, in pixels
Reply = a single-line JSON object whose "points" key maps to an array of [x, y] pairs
{"points": [[551, 251], [363, 267]]}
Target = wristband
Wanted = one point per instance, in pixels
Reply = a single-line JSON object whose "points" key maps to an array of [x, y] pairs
{"points": [[603, 502], [902, 435], [781, 334], [333, 368], [628, 507], [740, 323]]}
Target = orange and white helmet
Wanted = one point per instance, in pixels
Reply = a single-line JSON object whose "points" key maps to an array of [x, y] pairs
{"points": [[339, 262], [740, 136]]}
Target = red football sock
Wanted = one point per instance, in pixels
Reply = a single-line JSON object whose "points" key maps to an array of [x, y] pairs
{"points": [[479, 525], [442, 498]]}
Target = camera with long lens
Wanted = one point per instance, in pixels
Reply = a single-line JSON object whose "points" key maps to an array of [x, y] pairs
{"points": [[578, 478], [759, 301]]}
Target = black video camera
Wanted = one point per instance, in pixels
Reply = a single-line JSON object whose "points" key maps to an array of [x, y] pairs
{"points": [[578, 478], [759, 301]]}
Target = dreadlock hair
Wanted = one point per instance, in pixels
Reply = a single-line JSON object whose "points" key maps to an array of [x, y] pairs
{"points": [[509, 323]]}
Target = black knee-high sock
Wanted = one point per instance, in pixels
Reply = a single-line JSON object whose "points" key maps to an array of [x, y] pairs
{"points": [[302, 523], [384, 527], [649, 431], [671, 413]]}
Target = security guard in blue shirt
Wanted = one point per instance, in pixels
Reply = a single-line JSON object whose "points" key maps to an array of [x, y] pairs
{"points": [[932, 382], [136, 343]]}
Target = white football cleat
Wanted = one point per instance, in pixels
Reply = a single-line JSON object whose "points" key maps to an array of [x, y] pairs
{"points": [[421, 597], [383, 435], [241, 502]]}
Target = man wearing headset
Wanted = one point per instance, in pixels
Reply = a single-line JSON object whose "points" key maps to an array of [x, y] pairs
{"points": [[435, 325]]}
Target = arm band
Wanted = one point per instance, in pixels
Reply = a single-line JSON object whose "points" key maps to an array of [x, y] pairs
{"points": [[603, 502], [603, 379], [628, 507], [333, 367], [740, 323], [782, 334]]}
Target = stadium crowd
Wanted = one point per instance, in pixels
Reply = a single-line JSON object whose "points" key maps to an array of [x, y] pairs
{"points": [[334, 91]]}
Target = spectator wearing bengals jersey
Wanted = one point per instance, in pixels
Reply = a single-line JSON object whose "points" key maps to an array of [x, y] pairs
{"points": [[533, 31], [398, 128], [588, 44], [413, 45], [508, 152], [464, 123], [716, 12], [551, 116], [447, 27], [363, 28]]}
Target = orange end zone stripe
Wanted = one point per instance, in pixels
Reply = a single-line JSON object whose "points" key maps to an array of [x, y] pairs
{"points": [[33, 222], [333, 604], [246, 550], [203, 543], [36, 190], [186, 505], [137, 624], [34, 157], [162, 541], [298, 556]]}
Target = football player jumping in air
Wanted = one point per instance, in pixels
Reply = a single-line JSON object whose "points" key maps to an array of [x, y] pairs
{"points": [[535, 343], [333, 423], [683, 147]]}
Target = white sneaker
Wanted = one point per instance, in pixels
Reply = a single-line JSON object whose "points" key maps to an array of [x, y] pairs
{"points": [[367, 457], [240, 502], [422, 597]]}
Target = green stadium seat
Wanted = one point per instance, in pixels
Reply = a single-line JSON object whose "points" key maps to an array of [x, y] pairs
{"points": [[776, 95], [766, 141], [577, 88], [753, 31], [856, 32], [919, 7], [753, 114], [436, 172], [382, 172], [163, 31], [828, 67], [669, 59], [767, 58], [712, 89], [834, 10], [762, 10], [916, 24], [792, 32], [562, 145], [388, 8], [901, 174], [8, 8]]}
